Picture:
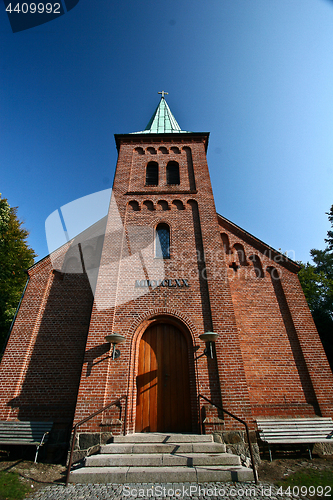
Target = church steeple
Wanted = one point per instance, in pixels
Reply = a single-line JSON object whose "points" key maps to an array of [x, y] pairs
{"points": [[162, 121]]}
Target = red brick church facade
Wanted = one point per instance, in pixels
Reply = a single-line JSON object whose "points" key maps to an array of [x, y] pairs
{"points": [[165, 269]]}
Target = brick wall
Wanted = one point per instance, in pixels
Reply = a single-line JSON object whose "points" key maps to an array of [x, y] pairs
{"points": [[286, 367], [41, 366]]}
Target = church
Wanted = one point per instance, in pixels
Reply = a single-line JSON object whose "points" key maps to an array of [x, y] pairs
{"points": [[166, 307]]}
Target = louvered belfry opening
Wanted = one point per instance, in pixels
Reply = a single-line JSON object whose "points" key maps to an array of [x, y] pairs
{"points": [[152, 174], [172, 173]]}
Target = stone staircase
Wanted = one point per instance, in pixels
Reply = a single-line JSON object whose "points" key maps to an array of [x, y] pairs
{"points": [[161, 458]]}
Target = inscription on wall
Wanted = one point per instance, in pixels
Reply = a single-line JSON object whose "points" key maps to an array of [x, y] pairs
{"points": [[170, 283]]}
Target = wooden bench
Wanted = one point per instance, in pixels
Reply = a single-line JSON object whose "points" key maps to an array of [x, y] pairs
{"points": [[295, 431], [25, 433]]}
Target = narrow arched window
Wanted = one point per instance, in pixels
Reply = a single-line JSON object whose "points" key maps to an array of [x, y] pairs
{"points": [[257, 266], [162, 241], [241, 254], [152, 174], [172, 173], [226, 245]]}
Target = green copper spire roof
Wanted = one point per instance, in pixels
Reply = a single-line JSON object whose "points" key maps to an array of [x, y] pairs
{"points": [[162, 121]]}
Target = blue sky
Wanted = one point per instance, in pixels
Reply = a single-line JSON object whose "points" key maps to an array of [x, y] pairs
{"points": [[256, 74]]}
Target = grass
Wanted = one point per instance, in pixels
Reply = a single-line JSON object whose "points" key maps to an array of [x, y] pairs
{"points": [[12, 487], [316, 484]]}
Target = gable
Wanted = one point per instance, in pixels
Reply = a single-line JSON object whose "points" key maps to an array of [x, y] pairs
{"points": [[252, 245]]}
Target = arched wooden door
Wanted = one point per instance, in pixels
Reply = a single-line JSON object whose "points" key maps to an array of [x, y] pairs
{"points": [[163, 386]]}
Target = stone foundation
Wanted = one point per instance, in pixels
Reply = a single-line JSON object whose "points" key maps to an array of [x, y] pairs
{"points": [[323, 448], [88, 443], [236, 442]]}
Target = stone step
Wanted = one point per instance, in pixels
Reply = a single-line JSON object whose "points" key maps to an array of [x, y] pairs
{"points": [[162, 459], [156, 458], [158, 475], [157, 437], [211, 447]]}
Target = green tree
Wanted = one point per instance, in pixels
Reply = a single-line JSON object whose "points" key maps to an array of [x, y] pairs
{"points": [[15, 258], [317, 283]]}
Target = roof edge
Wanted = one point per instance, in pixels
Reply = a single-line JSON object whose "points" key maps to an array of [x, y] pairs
{"points": [[159, 137]]}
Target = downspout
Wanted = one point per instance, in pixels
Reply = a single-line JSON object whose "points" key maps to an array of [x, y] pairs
{"points": [[13, 321]]}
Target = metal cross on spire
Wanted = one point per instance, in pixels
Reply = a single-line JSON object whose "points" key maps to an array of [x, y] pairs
{"points": [[163, 93]]}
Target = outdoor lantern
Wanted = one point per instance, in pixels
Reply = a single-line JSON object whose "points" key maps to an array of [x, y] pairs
{"points": [[114, 339], [209, 338]]}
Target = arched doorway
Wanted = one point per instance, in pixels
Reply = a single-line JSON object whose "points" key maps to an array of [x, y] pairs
{"points": [[163, 386]]}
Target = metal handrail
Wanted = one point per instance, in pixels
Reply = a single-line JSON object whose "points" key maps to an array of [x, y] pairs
{"points": [[255, 475], [114, 403]]}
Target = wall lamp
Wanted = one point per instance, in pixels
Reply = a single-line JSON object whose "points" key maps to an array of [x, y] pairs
{"points": [[209, 338], [114, 339]]}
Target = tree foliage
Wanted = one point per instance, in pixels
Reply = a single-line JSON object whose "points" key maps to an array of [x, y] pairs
{"points": [[317, 283], [15, 258]]}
